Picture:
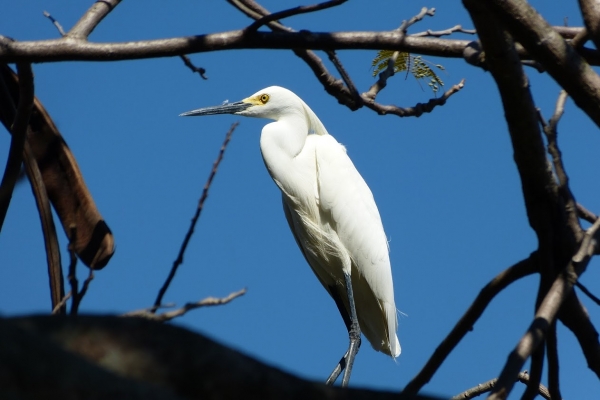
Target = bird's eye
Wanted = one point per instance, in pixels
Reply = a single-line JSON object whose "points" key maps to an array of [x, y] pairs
{"points": [[264, 98]]}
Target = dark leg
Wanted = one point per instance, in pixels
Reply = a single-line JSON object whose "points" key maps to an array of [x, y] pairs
{"points": [[347, 360]]}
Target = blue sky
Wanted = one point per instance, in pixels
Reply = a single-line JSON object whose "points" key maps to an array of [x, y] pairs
{"points": [[445, 183]]}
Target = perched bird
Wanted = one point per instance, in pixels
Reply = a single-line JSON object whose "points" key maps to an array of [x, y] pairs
{"points": [[332, 214]]}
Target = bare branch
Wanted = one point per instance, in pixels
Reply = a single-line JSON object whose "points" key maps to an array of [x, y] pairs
{"points": [[149, 313], [590, 10], [587, 292], [560, 59], [67, 49], [576, 318], [553, 366], [586, 214], [550, 129], [188, 63], [333, 86], [489, 385], [19, 134], [445, 32], [419, 108], [190, 231], [61, 304], [292, 11], [546, 313], [419, 17], [56, 23], [522, 269], [90, 20]]}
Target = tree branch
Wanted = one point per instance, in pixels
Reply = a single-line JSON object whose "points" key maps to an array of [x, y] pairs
{"points": [[576, 318], [520, 270], [150, 313], [489, 385], [560, 59], [553, 365], [97, 358], [179, 260], [546, 314], [90, 20], [69, 49], [291, 12], [550, 129], [590, 10]]}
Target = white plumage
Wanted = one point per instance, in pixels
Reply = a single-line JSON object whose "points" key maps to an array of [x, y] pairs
{"points": [[329, 208]]}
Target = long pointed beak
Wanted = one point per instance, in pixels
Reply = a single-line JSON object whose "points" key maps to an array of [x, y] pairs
{"points": [[229, 108]]}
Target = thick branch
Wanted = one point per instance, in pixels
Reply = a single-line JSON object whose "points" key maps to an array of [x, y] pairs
{"points": [[590, 10], [132, 358], [540, 190], [560, 59], [69, 49]]}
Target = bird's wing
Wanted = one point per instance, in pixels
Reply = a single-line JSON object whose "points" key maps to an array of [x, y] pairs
{"points": [[347, 201]]}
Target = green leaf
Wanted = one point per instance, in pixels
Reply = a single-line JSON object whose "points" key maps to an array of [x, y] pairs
{"points": [[418, 67]]}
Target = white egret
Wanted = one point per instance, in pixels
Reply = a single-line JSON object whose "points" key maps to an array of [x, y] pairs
{"points": [[332, 214]]}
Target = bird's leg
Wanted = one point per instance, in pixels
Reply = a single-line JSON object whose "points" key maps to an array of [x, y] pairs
{"points": [[347, 360]]}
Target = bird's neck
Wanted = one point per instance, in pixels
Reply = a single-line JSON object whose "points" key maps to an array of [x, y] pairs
{"points": [[280, 143]]}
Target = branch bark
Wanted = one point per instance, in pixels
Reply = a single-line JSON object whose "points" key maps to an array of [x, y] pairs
{"points": [[113, 357], [560, 59]]}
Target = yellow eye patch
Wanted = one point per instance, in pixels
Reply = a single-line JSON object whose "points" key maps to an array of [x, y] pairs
{"points": [[258, 100]]}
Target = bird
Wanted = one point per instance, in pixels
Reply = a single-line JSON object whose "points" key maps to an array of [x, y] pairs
{"points": [[332, 214]]}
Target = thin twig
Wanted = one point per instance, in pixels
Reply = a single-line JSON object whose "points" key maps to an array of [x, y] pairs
{"points": [[522, 269], [345, 76], [61, 303], [188, 63], [290, 12], [445, 32], [56, 23], [418, 109], [149, 313], [387, 73], [190, 231], [333, 86], [587, 292], [85, 286], [19, 135], [489, 385]]}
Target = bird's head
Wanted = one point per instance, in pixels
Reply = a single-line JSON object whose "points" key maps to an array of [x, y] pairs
{"points": [[272, 103]]}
